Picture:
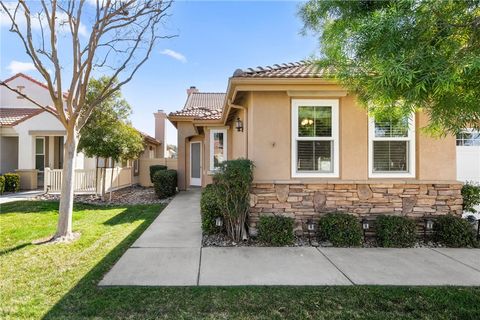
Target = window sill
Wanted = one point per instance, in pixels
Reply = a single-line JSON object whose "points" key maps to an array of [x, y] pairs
{"points": [[391, 175]]}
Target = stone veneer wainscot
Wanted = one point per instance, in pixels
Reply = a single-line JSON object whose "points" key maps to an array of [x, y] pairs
{"points": [[309, 201]]}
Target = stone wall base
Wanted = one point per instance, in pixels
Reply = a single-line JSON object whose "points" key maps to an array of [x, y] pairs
{"points": [[310, 201]]}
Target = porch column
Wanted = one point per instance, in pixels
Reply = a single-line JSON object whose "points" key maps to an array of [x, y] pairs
{"points": [[51, 152], [26, 161]]}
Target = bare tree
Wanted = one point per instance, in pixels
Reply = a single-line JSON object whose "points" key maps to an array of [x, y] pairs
{"points": [[122, 36]]}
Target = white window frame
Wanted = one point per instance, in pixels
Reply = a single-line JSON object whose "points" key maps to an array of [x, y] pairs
{"points": [[334, 104], [212, 145], [410, 138]]}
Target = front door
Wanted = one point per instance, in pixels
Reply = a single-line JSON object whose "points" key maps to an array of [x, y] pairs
{"points": [[195, 163]]}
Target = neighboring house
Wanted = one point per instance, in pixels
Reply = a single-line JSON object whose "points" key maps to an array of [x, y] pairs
{"points": [[314, 148], [31, 142], [468, 155]]}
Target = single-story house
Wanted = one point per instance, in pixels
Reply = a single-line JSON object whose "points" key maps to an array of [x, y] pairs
{"points": [[31, 142], [314, 148]]}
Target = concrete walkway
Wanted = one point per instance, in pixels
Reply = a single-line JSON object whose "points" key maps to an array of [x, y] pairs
{"points": [[20, 196], [169, 253]]}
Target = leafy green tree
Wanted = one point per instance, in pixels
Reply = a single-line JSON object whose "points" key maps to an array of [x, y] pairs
{"points": [[404, 54], [107, 134]]}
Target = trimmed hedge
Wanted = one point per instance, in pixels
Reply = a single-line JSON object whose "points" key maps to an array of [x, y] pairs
{"points": [[395, 232], [12, 182], [454, 232], [165, 183], [341, 229], [155, 168], [276, 230], [2, 184], [210, 209]]}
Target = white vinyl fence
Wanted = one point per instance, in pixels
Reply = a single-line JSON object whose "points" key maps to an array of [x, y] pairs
{"points": [[89, 181]]}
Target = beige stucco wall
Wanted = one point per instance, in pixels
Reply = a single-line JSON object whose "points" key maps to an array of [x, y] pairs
{"points": [[436, 157], [143, 177], [267, 128]]}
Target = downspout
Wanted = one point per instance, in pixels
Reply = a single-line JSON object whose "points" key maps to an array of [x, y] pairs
{"points": [[245, 126]]}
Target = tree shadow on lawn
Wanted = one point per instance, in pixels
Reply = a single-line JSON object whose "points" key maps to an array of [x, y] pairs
{"points": [[87, 300], [29, 206]]}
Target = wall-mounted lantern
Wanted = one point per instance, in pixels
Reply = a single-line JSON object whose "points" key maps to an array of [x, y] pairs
{"points": [[239, 125]]}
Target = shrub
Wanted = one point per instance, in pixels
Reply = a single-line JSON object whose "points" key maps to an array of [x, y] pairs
{"points": [[341, 229], [210, 208], [233, 182], [276, 230], [454, 232], [12, 182], [154, 169], [2, 184], [471, 196], [396, 232], [165, 183]]}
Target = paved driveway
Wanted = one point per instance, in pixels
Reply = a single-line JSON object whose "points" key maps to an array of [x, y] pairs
{"points": [[169, 253]]}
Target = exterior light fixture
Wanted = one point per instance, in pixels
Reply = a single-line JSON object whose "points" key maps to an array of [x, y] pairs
{"points": [[219, 221], [365, 227], [427, 227], [239, 125], [310, 225]]}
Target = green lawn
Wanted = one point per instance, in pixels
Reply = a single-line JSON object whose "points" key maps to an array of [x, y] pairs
{"points": [[60, 281]]}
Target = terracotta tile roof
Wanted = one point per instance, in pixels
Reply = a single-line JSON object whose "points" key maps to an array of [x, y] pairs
{"points": [[148, 137], [202, 106], [302, 69], [10, 117]]}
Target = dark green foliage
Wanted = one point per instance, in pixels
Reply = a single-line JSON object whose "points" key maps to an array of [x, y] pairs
{"points": [[234, 179], [210, 208], [276, 230], [471, 196], [165, 183], [156, 168], [454, 232], [411, 54], [341, 229], [395, 232], [2, 184], [12, 182]]}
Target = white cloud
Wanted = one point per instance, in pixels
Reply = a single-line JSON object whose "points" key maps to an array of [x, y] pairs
{"points": [[36, 20], [175, 55], [18, 66]]}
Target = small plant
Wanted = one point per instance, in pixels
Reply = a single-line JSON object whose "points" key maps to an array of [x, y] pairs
{"points": [[471, 196], [341, 229], [12, 182], [165, 183], [210, 208], [2, 184], [395, 232], [454, 232], [233, 182], [155, 168], [276, 230]]}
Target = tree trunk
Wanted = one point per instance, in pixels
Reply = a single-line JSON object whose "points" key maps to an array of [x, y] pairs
{"points": [[64, 226]]}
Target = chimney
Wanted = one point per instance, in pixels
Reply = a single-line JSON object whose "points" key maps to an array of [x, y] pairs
{"points": [[191, 90], [160, 118]]}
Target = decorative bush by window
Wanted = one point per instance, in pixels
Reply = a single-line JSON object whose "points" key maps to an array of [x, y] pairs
{"points": [[341, 229], [276, 230]]}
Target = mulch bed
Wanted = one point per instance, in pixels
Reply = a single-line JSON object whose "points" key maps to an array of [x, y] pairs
{"points": [[129, 195]]}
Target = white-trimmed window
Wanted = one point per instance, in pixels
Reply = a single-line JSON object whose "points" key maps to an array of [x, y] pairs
{"points": [[315, 145], [392, 148], [218, 147], [468, 138]]}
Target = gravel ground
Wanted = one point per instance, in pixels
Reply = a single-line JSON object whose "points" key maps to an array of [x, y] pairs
{"points": [[221, 240], [130, 195]]}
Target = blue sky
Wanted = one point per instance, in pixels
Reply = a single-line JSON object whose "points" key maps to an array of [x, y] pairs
{"points": [[214, 39]]}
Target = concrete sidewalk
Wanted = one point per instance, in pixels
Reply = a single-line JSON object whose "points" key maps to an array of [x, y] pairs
{"points": [[20, 196], [169, 253]]}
